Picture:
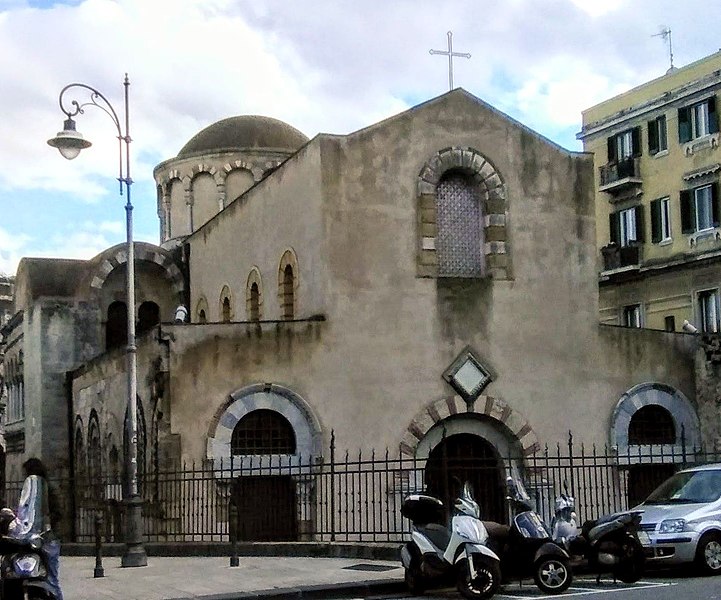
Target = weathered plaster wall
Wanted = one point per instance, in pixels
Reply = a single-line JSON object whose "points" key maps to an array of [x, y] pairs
{"points": [[279, 213]]}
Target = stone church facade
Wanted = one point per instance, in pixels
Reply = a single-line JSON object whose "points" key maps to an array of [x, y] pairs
{"points": [[431, 276]]}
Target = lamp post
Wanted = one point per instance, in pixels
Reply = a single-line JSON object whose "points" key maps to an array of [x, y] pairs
{"points": [[70, 142]]}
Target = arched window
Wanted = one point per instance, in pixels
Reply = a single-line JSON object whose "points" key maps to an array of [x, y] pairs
{"points": [[254, 302], [148, 316], [288, 300], [459, 241], [263, 431], [651, 424], [116, 326], [226, 310], [80, 470], [94, 455], [113, 460], [201, 310]]}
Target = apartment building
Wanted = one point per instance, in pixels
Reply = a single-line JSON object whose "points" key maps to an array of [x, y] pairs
{"points": [[656, 176]]}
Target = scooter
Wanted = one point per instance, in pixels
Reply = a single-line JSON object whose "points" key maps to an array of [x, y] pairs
{"points": [[526, 547], [438, 553], [23, 567], [608, 544]]}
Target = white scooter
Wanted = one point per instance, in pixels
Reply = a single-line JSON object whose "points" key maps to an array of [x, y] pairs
{"points": [[437, 553]]}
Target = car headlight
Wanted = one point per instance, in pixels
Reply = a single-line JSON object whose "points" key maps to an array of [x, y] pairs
{"points": [[672, 526]]}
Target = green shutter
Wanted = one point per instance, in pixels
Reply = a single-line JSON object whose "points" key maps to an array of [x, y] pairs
{"points": [[684, 124], [614, 224], [611, 149], [640, 224], [636, 141], [652, 137], [656, 221], [714, 204], [688, 212]]}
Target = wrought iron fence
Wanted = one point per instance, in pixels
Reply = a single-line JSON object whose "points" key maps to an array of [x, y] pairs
{"points": [[356, 497]]}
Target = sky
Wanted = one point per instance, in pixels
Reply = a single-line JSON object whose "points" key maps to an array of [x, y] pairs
{"points": [[323, 66]]}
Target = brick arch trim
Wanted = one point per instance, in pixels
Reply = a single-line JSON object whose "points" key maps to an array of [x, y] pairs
{"points": [[494, 209], [306, 425], [118, 255], [679, 407], [494, 408]]}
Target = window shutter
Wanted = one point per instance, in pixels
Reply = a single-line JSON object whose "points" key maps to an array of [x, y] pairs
{"points": [[684, 124], [638, 216], [656, 221], [636, 141], [714, 204], [712, 115], [688, 212], [614, 222], [612, 149], [652, 137]]}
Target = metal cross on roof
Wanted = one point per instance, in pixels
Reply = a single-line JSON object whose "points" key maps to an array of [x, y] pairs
{"points": [[450, 54]]}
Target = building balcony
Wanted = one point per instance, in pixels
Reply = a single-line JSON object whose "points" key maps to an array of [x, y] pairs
{"points": [[621, 175], [619, 257]]}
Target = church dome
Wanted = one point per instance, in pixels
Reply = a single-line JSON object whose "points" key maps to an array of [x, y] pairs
{"points": [[243, 133]]}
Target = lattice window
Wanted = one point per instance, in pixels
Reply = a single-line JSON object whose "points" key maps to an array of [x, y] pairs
{"points": [[263, 431], [651, 424], [459, 243]]}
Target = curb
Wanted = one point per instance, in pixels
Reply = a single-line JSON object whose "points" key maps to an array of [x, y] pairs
{"points": [[334, 590]]}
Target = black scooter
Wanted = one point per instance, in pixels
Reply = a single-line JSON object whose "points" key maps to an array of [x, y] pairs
{"points": [[608, 544], [526, 548]]}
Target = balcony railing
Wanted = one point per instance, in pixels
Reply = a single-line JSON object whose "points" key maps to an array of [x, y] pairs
{"points": [[616, 257], [618, 175]]}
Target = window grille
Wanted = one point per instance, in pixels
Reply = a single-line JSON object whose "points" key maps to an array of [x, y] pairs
{"points": [[459, 242], [263, 431], [651, 424]]}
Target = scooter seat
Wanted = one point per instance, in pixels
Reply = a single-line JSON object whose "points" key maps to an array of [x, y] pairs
{"points": [[437, 534], [497, 531]]}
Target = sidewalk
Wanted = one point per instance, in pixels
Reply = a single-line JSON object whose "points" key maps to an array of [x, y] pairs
{"points": [[171, 578]]}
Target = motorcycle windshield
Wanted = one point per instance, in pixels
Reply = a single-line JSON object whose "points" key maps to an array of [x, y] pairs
{"points": [[529, 525]]}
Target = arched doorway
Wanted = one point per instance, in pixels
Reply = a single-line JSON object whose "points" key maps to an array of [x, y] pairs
{"points": [[266, 504], [467, 457], [650, 425]]}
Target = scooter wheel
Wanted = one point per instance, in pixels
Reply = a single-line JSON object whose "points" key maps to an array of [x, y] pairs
{"points": [[552, 574], [487, 581], [415, 582], [632, 562]]}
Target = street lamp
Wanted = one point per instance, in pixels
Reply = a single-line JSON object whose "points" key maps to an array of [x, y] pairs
{"points": [[70, 142]]}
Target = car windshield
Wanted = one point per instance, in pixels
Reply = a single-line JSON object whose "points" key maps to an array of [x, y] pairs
{"points": [[687, 488]]}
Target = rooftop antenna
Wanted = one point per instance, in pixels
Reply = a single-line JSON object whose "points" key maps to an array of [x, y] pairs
{"points": [[665, 33]]}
